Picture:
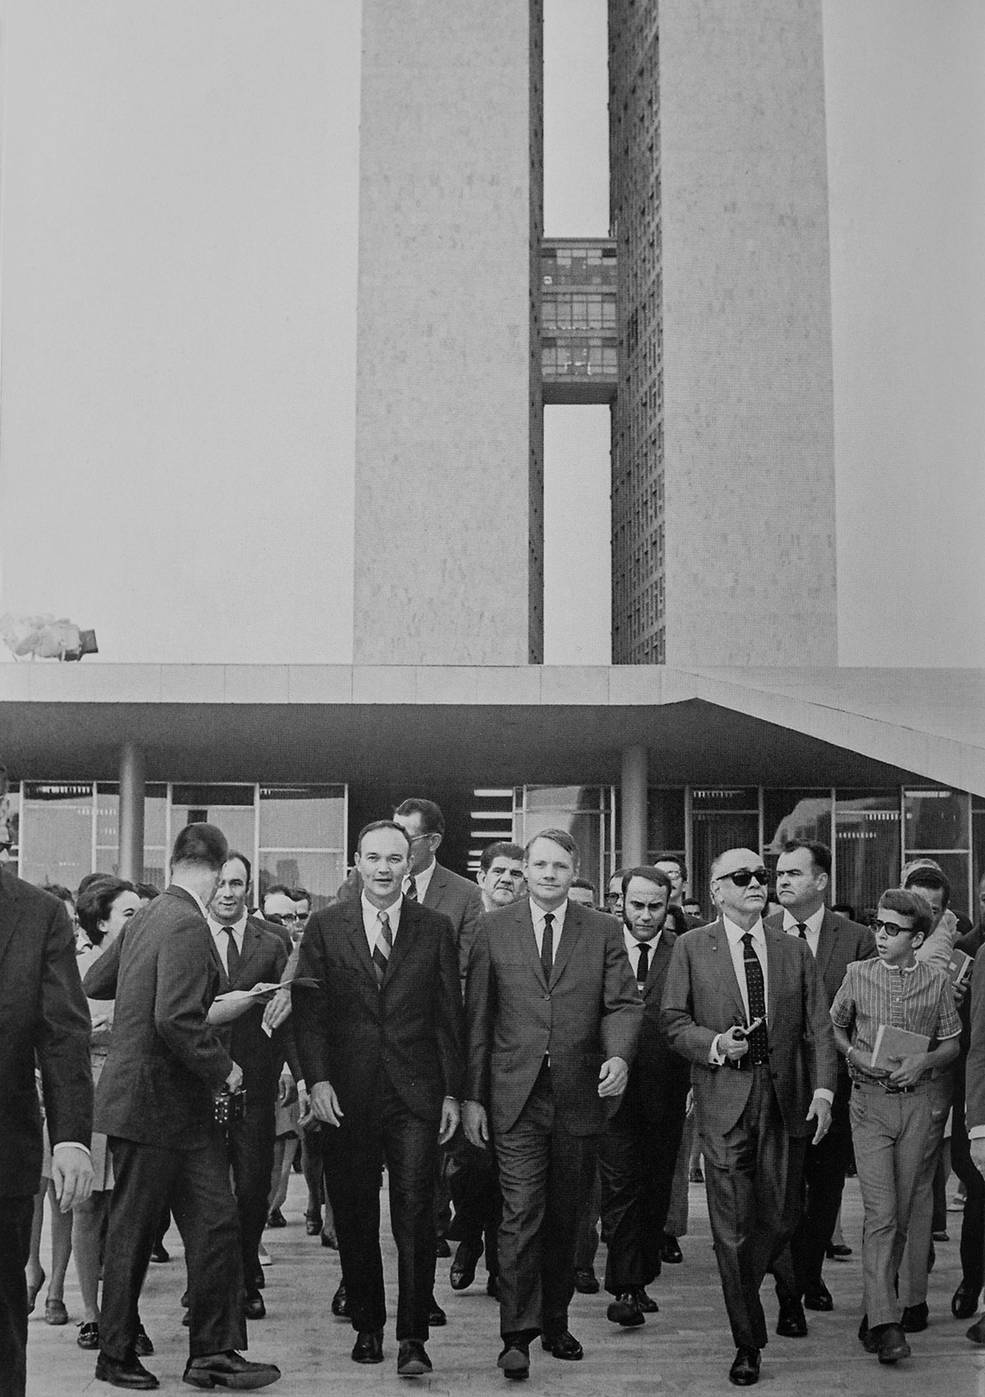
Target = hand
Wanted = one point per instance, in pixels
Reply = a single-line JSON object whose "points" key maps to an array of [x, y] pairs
{"points": [[960, 990], [732, 1046], [476, 1124], [911, 1068], [613, 1076], [325, 1104], [71, 1175], [450, 1116], [820, 1110], [235, 1079], [278, 1009], [285, 1088], [304, 1104], [977, 1147]]}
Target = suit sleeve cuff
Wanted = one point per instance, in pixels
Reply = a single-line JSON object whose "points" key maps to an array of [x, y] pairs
{"points": [[976, 1132], [71, 1144], [825, 1095]]}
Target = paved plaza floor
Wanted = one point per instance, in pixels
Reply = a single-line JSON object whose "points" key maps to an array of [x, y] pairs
{"points": [[685, 1349]]}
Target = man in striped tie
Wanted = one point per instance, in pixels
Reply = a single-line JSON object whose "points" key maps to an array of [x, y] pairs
{"points": [[380, 1042]]}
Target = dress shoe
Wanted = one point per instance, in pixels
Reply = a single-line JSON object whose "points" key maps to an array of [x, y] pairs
{"points": [[563, 1344], [312, 1224], [329, 1239], [791, 1322], [55, 1311], [88, 1336], [368, 1347], [160, 1253], [837, 1251], [441, 1248], [941, 1236], [625, 1310], [436, 1315], [892, 1343], [412, 1359], [867, 1337], [818, 1298], [143, 1346], [275, 1218], [670, 1251], [253, 1307], [33, 1291], [646, 1302], [586, 1281], [492, 1287], [340, 1303], [964, 1301], [229, 1369], [130, 1373], [515, 1357], [914, 1318], [462, 1272], [745, 1367], [977, 1332], [696, 1175]]}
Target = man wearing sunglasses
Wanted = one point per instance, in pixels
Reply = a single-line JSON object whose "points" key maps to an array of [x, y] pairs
{"points": [[744, 1005]]}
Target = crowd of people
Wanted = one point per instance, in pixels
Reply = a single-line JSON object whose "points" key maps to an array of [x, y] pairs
{"points": [[530, 1069]]}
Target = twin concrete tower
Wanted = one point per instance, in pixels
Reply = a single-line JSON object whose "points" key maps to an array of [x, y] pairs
{"points": [[713, 347]]}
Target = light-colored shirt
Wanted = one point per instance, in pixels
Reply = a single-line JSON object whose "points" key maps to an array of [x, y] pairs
{"points": [[917, 998], [371, 920], [813, 924], [422, 880], [219, 929], [537, 915], [737, 949], [633, 944]]}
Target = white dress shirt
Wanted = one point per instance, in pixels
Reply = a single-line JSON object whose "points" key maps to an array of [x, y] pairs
{"points": [[812, 923], [735, 935], [633, 944], [421, 881], [221, 940], [371, 920], [538, 914]]}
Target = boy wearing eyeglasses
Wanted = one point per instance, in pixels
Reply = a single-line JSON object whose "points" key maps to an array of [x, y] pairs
{"points": [[897, 1117]]}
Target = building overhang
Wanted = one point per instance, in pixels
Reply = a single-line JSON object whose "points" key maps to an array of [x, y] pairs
{"points": [[523, 725]]}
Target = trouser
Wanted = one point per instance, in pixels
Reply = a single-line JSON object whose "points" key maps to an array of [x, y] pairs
{"points": [[753, 1183], [354, 1154], [589, 1212], [251, 1155], [896, 1139], [196, 1185], [973, 1214], [825, 1166], [15, 1244], [637, 1160], [477, 1200], [541, 1169]]}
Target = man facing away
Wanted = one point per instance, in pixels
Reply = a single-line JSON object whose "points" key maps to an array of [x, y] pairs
{"points": [[156, 1103], [380, 1043], [745, 1006], [553, 1016]]}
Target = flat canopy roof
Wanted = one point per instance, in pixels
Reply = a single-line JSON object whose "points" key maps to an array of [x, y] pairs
{"points": [[522, 725]]}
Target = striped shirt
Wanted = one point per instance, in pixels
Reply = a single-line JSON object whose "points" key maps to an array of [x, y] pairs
{"points": [[872, 993]]}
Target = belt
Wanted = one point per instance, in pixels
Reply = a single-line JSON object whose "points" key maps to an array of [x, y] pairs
{"points": [[742, 1064], [888, 1088]]}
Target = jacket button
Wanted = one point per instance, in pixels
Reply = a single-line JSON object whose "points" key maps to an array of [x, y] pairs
{"points": [[547, 996]]}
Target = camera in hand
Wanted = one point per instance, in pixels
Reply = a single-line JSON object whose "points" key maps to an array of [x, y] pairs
{"points": [[229, 1106]]}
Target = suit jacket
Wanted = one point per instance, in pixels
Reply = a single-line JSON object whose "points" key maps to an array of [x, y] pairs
{"points": [[659, 1077], [263, 960], [43, 1017], [702, 999], [449, 893], [349, 1029], [165, 1061], [590, 1011], [975, 1062], [839, 943]]}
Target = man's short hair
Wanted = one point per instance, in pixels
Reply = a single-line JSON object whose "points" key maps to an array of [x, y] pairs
{"points": [[301, 895], [502, 849], [147, 891], [926, 877], [89, 878], [651, 874], [558, 836], [673, 858], [369, 829], [820, 853], [96, 903], [585, 884], [235, 854], [432, 820], [909, 904], [60, 891], [201, 844], [277, 888]]}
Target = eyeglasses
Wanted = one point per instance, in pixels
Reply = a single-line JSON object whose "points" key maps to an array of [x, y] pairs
{"points": [[890, 928], [742, 877], [295, 916]]}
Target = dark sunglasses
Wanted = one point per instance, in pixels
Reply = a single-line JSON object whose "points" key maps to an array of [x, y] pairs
{"points": [[742, 877]]}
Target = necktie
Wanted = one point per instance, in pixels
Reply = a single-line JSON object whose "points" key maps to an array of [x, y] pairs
{"points": [[756, 994], [643, 964], [382, 949], [547, 946], [410, 892], [232, 954], [802, 930]]}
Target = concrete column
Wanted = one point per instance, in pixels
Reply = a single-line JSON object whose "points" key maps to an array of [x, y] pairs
{"points": [[633, 805], [132, 782]]}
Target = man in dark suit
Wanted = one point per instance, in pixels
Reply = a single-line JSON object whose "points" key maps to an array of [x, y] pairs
{"points": [[553, 1016], [439, 888], [745, 1006], [155, 1102], [381, 1047], [964, 1301], [638, 1152], [45, 1019], [247, 954], [803, 874]]}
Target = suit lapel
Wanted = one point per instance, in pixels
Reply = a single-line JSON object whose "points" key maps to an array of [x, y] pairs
{"points": [[524, 924], [573, 926], [659, 961], [432, 898], [356, 934], [8, 912], [825, 943], [251, 949], [217, 961], [403, 942], [772, 972]]}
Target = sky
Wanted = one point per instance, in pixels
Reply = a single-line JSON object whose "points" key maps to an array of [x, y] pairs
{"points": [[85, 265]]}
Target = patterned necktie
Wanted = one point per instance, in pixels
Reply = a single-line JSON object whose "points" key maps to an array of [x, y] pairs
{"points": [[382, 949], [802, 930], [643, 964], [547, 946], [233, 956], [756, 993], [410, 892]]}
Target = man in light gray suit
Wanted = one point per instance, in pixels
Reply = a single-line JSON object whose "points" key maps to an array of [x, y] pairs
{"points": [[744, 1006]]}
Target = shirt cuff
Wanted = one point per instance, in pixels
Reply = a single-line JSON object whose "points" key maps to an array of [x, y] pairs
{"points": [[73, 1144], [976, 1132], [715, 1055], [825, 1095]]}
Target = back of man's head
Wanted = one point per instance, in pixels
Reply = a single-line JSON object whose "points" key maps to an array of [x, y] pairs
{"points": [[200, 846]]}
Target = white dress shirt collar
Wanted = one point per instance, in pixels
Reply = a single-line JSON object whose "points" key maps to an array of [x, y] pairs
{"points": [[537, 915], [371, 919], [735, 933], [422, 880]]}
